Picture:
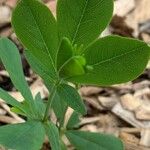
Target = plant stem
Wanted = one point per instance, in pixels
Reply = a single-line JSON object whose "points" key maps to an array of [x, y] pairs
{"points": [[50, 101]]}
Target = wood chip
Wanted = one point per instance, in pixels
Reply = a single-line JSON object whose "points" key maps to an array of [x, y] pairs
{"points": [[5, 15], [2, 148], [52, 6], [142, 10], [17, 96], [129, 117], [133, 146], [107, 102], [38, 86], [7, 119], [89, 120], [130, 103], [90, 128], [2, 111], [108, 122], [93, 102], [4, 73], [139, 15], [123, 7], [90, 90], [140, 85], [15, 116], [143, 112], [146, 37], [68, 115], [129, 137], [131, 130], [142, 91], [145, 27], [11, 3], [145, 138]]}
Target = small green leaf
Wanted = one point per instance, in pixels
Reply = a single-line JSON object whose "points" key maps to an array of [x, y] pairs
{"points": [[96, 141], [9, 99], [74, 121], [17, 106], [83, 21], [18, 111], [10, 57], [35, 26], [25, 110], [68, 62], [69, 95], [60, 107], [24, 136], [65, 53], [53, 135], [30, 112], [63, 146], [113, 60], [72, 68], [40, 106]]}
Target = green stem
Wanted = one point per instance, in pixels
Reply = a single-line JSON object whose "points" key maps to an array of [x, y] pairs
{"points": [[50, 101]]}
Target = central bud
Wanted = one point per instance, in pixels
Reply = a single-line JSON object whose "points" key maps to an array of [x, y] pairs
{"points": [[76, 66]]}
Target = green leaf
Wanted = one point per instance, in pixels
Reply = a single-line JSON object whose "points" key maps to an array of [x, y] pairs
{"points": [[113, 60], [26, 110], [82, 21], [69, 95], [53, 135], [73, 67], [35, 26], [10, 57], [40, 106], [59, 106], [17, 106], [96, 141], [24, 136], [9, 99], [68, 62], [65, 52], [18, 111], [63, 146], [73, 120]]}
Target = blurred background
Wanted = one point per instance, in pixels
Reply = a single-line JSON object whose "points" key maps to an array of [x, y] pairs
{"points": [[122, 110]]}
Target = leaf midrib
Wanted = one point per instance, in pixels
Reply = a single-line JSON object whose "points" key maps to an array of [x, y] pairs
{"points": [[118, 56], [47, 49], [79, 23]]}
